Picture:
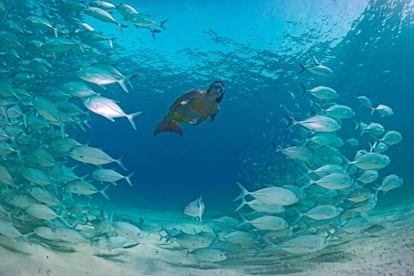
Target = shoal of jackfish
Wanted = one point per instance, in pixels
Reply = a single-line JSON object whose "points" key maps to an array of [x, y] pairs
{"points": [[54, 66]]}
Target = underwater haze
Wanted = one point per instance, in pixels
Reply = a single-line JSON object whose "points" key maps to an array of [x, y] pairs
{"points": [[305, 169]]}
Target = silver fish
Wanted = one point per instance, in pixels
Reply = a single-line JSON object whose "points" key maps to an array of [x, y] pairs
{"points": [[82, 187], [108, 108], [333, 181], [318, 69], [382, 110], [94, 156], [321, 92], [391, 137], [327, 169], [390, 182], [296, 153], [371, 161], [322, 212], [364, 101], [379, 147], [7, 229], [126, 10], [261, 207], [102, 4], [127, 230], [368, 176], [353, 142], [78, 89], [375, 129], [104, 74], [5, 176], [110, 175], [304, 244], [269, 223], [102, 15], [324, 138], [144, 21], [43, 196], [41, 211], [195, 208], [209, 255], [359, 195], [37, 22], [270, 196], [339, 111], [319, 123]]}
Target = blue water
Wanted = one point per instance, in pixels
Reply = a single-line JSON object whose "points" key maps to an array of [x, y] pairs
{"points": [[255, 48]]}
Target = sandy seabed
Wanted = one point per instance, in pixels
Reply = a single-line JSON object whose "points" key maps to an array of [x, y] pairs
{"points": [[388, 249]]}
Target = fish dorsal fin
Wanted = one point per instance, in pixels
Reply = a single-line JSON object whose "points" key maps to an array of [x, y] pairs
{"points": [[315, 60]]}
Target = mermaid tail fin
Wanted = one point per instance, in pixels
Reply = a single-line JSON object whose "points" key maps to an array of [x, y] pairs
{"points": [[171, 126]]}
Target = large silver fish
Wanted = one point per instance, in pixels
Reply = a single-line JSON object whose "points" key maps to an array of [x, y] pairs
{"points": [[108, 108], [318, 123], [371, 161], [318, 69], [104, 74]]}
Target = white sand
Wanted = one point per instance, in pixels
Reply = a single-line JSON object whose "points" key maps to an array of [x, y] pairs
{"points": [[388, 251]]}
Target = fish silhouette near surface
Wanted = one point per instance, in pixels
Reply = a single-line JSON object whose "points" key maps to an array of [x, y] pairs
{"points": [[193, 107]]}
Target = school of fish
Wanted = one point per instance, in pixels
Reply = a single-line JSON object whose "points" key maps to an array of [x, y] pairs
{"points": [[44, 200]]}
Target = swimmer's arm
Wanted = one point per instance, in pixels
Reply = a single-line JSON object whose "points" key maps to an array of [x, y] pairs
{"points": [[186, 98], [201, 119], [212, 118]]}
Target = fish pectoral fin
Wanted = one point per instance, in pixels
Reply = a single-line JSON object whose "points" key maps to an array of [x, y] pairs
{"points": [[107, 117], [168, 126]]}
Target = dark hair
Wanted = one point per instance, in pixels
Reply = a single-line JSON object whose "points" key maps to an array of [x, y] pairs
{"points": [[219, 85]]}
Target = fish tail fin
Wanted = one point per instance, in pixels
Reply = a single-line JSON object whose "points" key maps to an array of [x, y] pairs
{"points": [[119, 162], [128, 178], [123, 85], [372, 146], [316, 61], [131, 117], [307, 185], [120, 26], [103, 191], [122, 82], [347, 161], [302, 68], [357, 125], [125, 80], [162, 24], [303, 88], [153, 33], [243, 193], [242, 203], [55, 32], [298, 219], [66, 223], [290, 121], [244, 219], [171, 126]]}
